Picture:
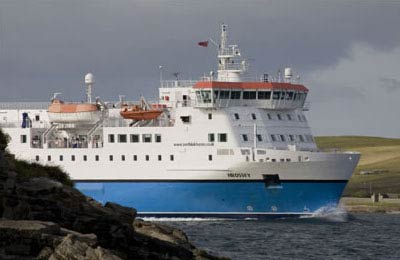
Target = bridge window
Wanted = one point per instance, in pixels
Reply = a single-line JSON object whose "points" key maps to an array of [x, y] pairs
{"points": [[249, 94], [253, 116], [235, 95], [283, 138], [291, 138], [289, 117], [289, 95], [134, 138], [122, 139], [236, 116], [264, 94], [245, 138], [216, 94], [146, 138], [224, 94], [301, 138], [279, 116], [269, 116], [222, 138], [211, 138], [206, 96], [276, 95], [259, 138], [273, 138]]}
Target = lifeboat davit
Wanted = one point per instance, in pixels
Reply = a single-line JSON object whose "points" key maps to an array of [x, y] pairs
{"points": [[136, 112], [60, 112]]}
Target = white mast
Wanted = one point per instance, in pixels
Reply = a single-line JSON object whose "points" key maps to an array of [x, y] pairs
{"points": [[230, 64]]}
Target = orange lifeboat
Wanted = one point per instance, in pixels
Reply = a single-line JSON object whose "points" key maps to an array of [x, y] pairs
{"points": [[60, 112], [135, 112]]}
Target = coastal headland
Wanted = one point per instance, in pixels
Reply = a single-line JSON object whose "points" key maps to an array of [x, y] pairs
{"points": [[378, 172]]}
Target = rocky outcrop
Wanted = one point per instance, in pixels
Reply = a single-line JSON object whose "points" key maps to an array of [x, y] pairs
{"points": [[46, 240], [45, 219]]}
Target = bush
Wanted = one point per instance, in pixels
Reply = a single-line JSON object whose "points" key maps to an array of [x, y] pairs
{"points": [[26, 170], [4, 139]]}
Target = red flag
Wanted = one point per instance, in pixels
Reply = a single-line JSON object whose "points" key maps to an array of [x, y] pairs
{"points": [[203, 44]]}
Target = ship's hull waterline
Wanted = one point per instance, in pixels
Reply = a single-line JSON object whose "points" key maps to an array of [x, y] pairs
{"points": [[220, 199]]}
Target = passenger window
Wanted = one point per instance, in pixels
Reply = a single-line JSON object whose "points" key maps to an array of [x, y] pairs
{"points": [[253, 116], [245, 138], [122, 139], [134, 138], [158, 138], [222, 138], [111, 138], [146, 138], [211, 138], [23, 139]]}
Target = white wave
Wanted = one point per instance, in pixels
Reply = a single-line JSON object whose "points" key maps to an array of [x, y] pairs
{"points": [[334, 213]]}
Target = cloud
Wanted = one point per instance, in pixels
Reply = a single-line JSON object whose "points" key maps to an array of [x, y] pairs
{"points": [[390, 84], [357, 95]]}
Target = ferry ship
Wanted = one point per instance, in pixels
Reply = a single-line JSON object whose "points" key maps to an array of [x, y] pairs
{"points": [[217, 147]]}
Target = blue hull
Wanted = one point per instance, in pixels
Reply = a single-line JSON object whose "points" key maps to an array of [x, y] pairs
{"points": [[232, 199]]}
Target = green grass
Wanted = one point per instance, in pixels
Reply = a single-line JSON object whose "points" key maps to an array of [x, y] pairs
{"points": [[376, 154]]}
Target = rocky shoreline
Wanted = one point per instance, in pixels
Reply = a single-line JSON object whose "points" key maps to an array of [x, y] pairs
{"points": [[42, 218]]}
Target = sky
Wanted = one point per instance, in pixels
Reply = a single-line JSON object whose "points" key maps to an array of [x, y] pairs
{"points": [[346, 52]]}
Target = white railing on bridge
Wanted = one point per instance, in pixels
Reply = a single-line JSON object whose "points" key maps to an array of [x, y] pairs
{"points": [[177, 83]]}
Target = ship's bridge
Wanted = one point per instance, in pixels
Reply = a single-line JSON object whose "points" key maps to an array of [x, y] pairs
{"points": [[268, 95]]}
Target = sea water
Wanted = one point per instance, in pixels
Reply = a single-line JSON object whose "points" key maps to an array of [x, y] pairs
{"points": [[325, 235]]}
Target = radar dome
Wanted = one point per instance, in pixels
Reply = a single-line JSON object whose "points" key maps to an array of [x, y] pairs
{"points": [[89, 78]]}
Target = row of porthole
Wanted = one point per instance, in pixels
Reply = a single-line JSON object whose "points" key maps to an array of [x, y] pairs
{"points": [[110, 157]]}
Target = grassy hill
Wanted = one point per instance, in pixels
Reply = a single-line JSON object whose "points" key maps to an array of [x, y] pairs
{"points": [[377, 154]]}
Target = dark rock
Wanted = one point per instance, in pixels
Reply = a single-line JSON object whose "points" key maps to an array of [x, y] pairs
{"points": [[126, 214], [163, 232]]}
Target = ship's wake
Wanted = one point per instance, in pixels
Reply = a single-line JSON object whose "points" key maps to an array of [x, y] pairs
{"points": [[166, 219]]}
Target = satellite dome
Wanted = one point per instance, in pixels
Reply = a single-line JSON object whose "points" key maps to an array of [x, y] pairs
{"points": [[89, 78]]}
